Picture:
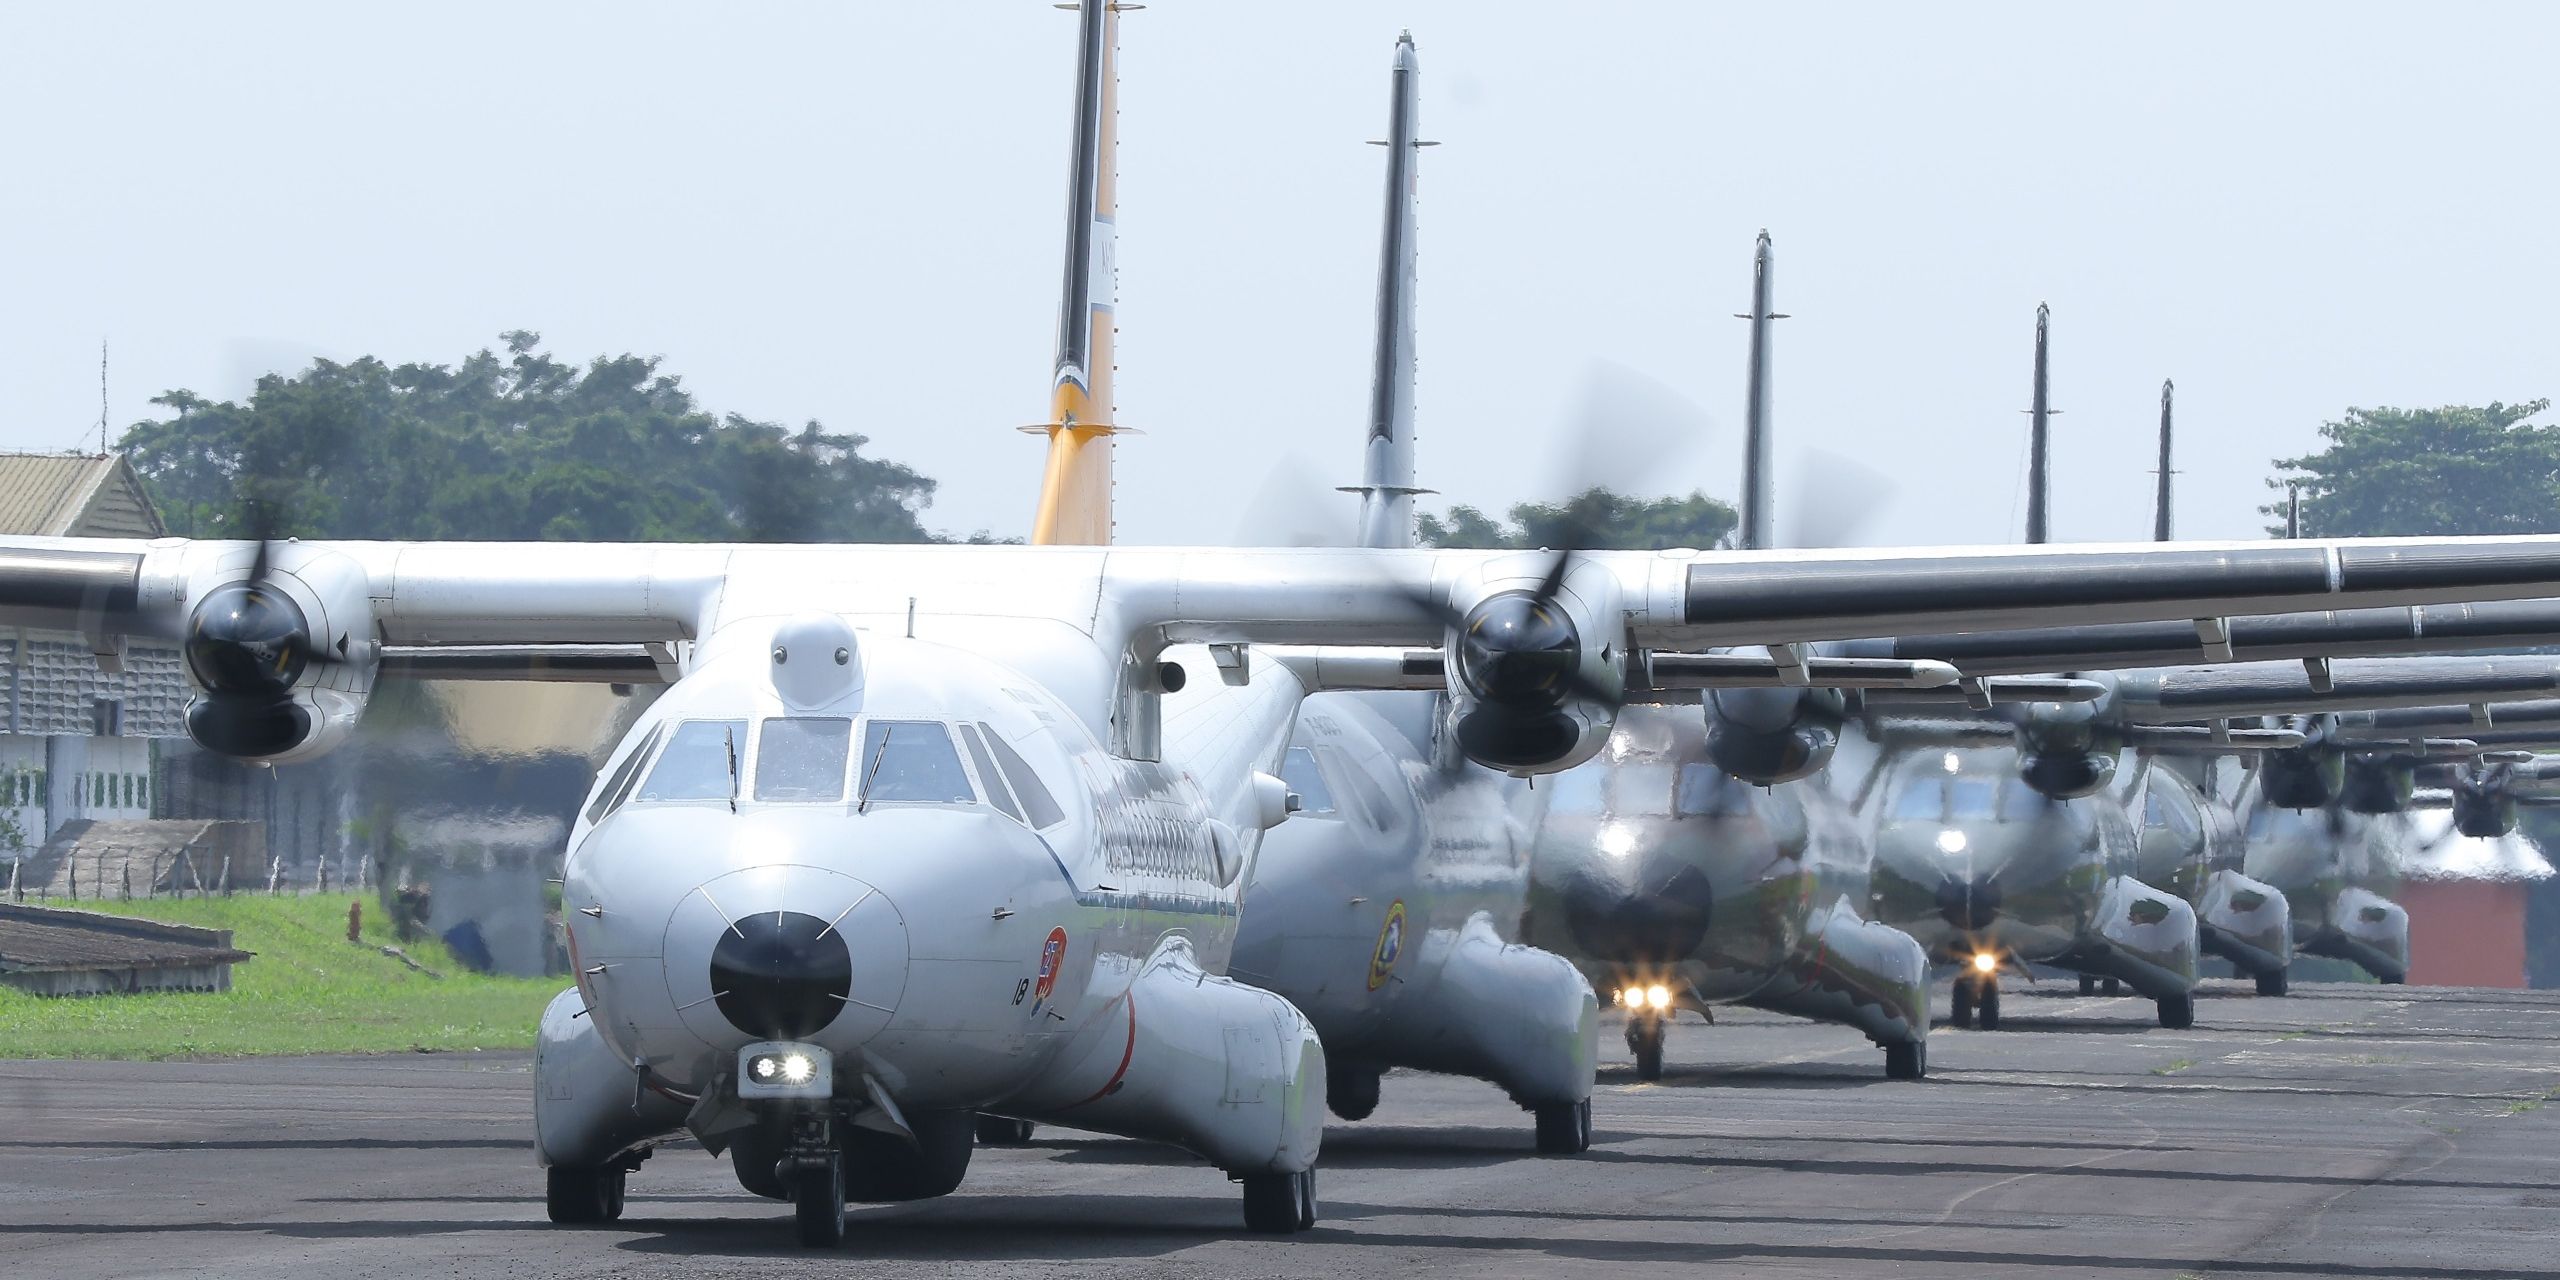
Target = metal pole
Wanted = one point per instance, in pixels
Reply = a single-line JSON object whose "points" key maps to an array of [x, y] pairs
{"points": [[2160, 504]]}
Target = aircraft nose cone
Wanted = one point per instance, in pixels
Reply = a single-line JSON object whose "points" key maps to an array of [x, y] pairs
{"points": [[1969, 904], [781, 975]]}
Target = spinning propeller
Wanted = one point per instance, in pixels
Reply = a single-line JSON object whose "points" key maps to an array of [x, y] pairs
{"points": [[248, 644]]}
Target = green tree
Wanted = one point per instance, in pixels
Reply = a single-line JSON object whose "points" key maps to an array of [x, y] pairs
{"points": [[511, 446], [1594, 519], [2412, 472]]}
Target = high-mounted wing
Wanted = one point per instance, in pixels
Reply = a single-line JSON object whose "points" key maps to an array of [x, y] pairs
{"points": [[2452, 628]]}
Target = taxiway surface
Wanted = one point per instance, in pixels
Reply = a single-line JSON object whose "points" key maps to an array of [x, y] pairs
{"points": [[2343, 1131]]}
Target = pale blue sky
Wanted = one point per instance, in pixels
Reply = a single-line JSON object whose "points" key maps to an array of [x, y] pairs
{"points": [[851, 212]]}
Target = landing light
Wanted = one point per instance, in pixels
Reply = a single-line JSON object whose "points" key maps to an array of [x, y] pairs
{"points": [[785, 1070], [1658, 996], [1985, 962], [1617, 840], [1951, 762], [1951, 842]]}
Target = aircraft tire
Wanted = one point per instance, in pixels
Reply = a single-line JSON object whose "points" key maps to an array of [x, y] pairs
{"points": [[817, 1204], [1564, 1130], [1279, 1204], [2111, 987], [1003, 1131], [1908, 1060], [1988, 1011], [579, 1197], [2088, 984], [2272, 983], [2178, 1012], [2395, 979], [1351, 1091], [1644, 1037], [1960, 1004]]}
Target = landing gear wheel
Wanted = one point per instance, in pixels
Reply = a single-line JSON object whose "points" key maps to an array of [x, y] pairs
{"points": [[1644, 1039], [2178, 1012], [576, 1197], [1960, 1004], [2112, 987], [1003, 1131], [1908, 1060], [817, 1202], [1279, 1204], [1352, 1092], [1989, 1009], [2272, 983], [1564, 1129], [2088, 984], [2395, 979]]}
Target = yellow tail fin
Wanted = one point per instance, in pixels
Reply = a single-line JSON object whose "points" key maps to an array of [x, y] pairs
{"points": [[1075, 487]]}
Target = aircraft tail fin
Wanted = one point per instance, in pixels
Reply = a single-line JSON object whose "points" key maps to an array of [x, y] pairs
{"points": [[2039, 470], [1386, 485], [2160, 501], [1075, 485], [1754, 531]]}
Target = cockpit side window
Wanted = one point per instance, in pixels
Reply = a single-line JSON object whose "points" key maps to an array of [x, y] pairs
{"points": [[997, 793], [700, 762], [1299, 770], [609, 797], [1038, 807], [910, 762], [802, 758], [1925, 800]]}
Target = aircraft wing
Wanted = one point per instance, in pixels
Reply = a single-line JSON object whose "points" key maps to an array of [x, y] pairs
{"points": [[474, 593], [2449, 628]]}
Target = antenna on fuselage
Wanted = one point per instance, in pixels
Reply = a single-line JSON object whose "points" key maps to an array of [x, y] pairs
{"points": [[1386, 485]]}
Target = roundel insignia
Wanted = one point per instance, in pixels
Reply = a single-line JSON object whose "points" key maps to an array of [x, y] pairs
{"points": [[1382, 960], [1053, 955]]}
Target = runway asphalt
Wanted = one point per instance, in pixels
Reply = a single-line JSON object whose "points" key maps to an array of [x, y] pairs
{"points": [[2343, 1131]]}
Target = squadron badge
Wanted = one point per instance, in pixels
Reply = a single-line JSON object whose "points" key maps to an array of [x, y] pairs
{"points": [[1382, 961]]}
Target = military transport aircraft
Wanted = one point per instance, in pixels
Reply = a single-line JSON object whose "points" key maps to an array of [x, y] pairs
{"points": [[911, 836], [1387, 908]]}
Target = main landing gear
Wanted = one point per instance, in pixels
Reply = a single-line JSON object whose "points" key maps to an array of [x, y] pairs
{"points": [[1564, 1129], [1279, 1204], [2091, 985], [2272, 982], [1002, 1131], [578, 1197], [1976, 1000], [1351, 1091], [1908, 1060], [1644, 1040], [2178, 1012]]}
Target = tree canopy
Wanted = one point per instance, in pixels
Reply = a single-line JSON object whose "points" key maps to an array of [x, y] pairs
{"points": [[2410, 472], [516, 446], [1594, 519]]}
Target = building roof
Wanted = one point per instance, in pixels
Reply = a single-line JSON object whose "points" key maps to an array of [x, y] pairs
{"points": [[74, 495], [43, 940]]}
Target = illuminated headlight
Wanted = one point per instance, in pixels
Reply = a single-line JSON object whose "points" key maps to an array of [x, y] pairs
{"points": [[1985, 962], [1951, 842], [1658, 996], [785, 1070]]}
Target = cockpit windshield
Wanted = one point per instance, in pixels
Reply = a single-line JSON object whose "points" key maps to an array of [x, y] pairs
{"points": [[910, 762], [1965, 797], [700, 762], [802, 758]]}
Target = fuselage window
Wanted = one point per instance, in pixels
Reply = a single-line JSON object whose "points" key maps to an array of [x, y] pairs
{"points": [[1038, 808], [910, 762], [1299, 770], [802, 758], [997, 793], [700, 762], [609, 796]]}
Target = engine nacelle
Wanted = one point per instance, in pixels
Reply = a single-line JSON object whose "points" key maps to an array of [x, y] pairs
{"points": [[2065, 751], [2067, 774], [280, 647], [1768, 736], [2483, 814], [2301, 778], [2376, 785], [1537, 665]]}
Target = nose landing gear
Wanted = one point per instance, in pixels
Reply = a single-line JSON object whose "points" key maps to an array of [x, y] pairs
{"points": [[1644, 1040], [814, 1168], [1976, 1002]]}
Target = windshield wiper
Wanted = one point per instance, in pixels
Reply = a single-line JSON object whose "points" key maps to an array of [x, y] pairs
{"points": [[729, 735], [862, 798]]}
